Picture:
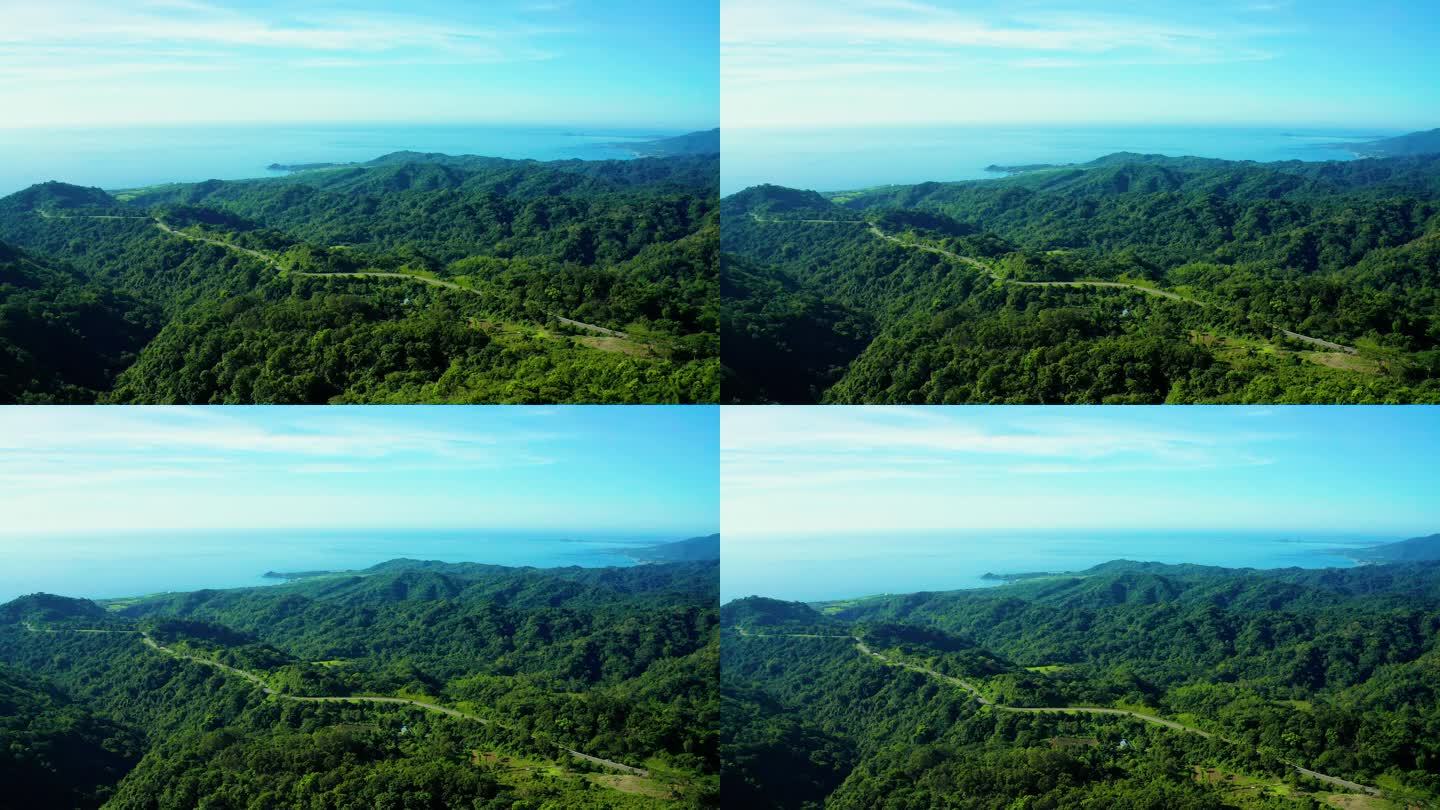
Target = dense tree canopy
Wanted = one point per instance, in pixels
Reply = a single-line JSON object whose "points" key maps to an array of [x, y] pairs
{"points": [[62, 338], [1328, 669], [620, 664], [1345, 253], [469, 280]]}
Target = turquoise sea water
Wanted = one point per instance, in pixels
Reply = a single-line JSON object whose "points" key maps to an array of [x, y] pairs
{"points": [[843, 566], [131, 563], [842, 159], [140, 156]]}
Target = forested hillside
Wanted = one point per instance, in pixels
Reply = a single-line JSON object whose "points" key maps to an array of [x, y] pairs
{"points": [[1134, 685], [1133, 278], [408, 685], [411, 278], [64, 338]]}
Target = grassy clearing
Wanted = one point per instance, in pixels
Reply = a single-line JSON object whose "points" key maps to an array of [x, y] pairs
{"points": [[1343, 361], [1046, 669], [1228, 347], [632, 784], [831, 608], [1351, 801], [1244, 791], [606, 343], [128, 194]]}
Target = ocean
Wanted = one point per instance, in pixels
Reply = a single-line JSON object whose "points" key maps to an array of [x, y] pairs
{"points": [[819, 568], [844, 159], [130, 157], [119, 564]]}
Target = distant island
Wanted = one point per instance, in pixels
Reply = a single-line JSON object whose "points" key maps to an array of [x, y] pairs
{"points": [[1021, 577], [1027, 167], [294, 575], [304, 167]]}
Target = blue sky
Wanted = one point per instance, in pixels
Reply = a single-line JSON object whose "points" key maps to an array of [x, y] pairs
{"points": [[576, 468], [799, 63], [642, 63], [1367, 470]]}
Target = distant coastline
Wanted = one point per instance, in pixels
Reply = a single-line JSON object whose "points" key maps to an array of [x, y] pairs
{"points": [[192, 154], [305, 167]]}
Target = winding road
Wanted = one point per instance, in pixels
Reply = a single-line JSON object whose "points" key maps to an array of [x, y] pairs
{"points": [[274, 263], [260, 682], [974, 692], [989, 271], [256, 254]]}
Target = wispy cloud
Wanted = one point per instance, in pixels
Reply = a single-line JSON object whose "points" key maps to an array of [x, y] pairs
{"points": [[770, 44], [804, 27], [76, 40], [81, 469], [764, 448], [45, 447]]}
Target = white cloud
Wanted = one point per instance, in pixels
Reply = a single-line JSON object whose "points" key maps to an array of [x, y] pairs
{"points": [[49, 448], [788, 459], [819, 62], [87, 40]]}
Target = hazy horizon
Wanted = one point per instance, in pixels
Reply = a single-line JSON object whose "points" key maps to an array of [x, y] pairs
{"points": [[812, 63], [195, 468], [95, 64], [841, 565], [903, 468], [105, 565]]}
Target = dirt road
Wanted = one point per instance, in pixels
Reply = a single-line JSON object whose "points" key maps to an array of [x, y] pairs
{"points": [[255, 679], [271, 261], [260, 682], [982, 700], [987, 270]]}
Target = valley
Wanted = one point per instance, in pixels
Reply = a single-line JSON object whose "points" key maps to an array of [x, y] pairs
{"points": [[590, 687], [1139, 682], [1129, 279], [428, 278]]}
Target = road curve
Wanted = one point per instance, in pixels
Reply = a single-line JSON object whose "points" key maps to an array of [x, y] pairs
{"points": [[256, 254], [450, 285], [979, 698], [982, 700], [1325, 344]]}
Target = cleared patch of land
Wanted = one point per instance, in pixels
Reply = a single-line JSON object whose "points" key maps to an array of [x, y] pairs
{"points": [[629, 783]]}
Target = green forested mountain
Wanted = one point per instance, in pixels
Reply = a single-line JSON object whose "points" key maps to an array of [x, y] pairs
{"points": [[58, 754], [705, 142], [64, 338], [1133, 278], [693, 548], [1416, 548], [1415, 143], [1181, 686], [411, 278], [407, 685]]}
